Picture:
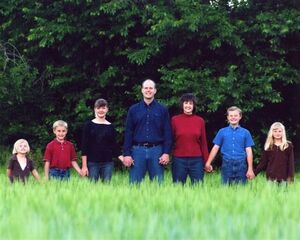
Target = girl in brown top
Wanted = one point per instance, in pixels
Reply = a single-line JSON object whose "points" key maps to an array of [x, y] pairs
{"points": [[20, 166], [278, 156]]}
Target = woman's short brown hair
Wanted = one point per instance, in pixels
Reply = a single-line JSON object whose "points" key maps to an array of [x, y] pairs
{"points": [[188, 97]]}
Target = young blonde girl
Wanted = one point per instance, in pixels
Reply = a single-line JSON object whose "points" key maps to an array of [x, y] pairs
{"points": [[278, 156], [20, 166]]}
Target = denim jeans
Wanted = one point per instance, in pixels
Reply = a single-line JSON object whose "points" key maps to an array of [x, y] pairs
{"points": [[102, 170], [59, 174], [146, 159], [187, 166], [234, 171]]}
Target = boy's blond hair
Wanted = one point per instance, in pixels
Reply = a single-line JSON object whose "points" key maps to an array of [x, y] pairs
{"points": [[270, 141], [234, 108], [59, 123], [17, 143]]}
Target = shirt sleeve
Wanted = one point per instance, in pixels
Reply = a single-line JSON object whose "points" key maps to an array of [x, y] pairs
{"points": [[116, 151], [291, 162], [167, 145], [10, 164], [73, 153], [249, 141], [204, 148], [84, 139], [31, 165], [218, 140], [263, 163], [128, 137], [48, 153]]}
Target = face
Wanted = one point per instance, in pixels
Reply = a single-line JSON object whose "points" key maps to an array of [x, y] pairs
{"points": [[234, 117], [188, 107], [148, 90], [100, 112], [277, 133], [60, 133], [22, 148]]}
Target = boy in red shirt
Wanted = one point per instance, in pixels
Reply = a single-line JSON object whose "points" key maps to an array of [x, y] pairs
{"points": [[60, 154]]}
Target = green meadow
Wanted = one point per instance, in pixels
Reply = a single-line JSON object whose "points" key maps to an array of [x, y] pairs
{"points": [[79, 209]]}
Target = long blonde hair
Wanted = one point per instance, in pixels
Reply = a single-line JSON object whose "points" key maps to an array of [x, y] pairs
{"points": [[270, 140]]}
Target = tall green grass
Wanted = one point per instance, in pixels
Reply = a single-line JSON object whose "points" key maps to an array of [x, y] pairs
{"points": [[79, 209]]}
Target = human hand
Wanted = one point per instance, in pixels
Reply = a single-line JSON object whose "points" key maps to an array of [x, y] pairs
{"points": [[128, 161], [84, 171], [208, 167], [250, 174], [164, 159]]}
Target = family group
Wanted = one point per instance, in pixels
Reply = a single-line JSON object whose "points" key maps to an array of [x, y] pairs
{"points": [[150, 137]]}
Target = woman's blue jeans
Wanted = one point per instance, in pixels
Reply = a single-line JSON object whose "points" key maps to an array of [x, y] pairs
{"points": [[187, 166], [146, 159], [102, 170], [234, 171], [59, 174]]}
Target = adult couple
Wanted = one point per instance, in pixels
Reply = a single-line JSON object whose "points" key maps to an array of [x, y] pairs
{"points": [[148, 139]]}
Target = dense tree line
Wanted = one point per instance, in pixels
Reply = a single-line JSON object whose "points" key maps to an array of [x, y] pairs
{"points": [[57, 57]]}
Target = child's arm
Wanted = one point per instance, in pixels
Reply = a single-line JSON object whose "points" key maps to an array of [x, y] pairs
{"points": [[211, 157], [77, 168], [84, 169], [250, 174], [291, 164], [35, 174], [46, 169]]}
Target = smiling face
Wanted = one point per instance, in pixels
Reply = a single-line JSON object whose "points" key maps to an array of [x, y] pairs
{"points": [[60, 133], [277, 134], [188, 107], [100, 112], [148, 90], [234, 117], [22, 147]]}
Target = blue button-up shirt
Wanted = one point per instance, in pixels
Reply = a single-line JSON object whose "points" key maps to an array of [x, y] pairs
{"points": [[233, 142], [148, 123]]}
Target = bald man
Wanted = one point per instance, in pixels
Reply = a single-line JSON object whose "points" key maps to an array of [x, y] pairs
{"points": [[148, 137]]}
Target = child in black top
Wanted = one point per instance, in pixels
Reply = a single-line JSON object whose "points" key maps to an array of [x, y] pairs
{"points": [[20, 166]]}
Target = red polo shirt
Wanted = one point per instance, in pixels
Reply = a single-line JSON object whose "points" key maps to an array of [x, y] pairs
{"points": [[60, 155]]}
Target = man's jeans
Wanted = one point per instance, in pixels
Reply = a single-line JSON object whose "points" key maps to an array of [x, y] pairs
{"points": [[146, 159], [184, 166], [234, 171], [59, 174], [102, 170]]}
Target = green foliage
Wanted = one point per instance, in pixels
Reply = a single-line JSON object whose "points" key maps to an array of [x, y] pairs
{"points": [[72, 52]]}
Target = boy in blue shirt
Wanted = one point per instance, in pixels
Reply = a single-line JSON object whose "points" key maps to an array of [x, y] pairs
{"points": [[236, 150]]}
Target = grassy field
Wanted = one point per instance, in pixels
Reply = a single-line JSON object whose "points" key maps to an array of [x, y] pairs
{"points": [[79, 209]]}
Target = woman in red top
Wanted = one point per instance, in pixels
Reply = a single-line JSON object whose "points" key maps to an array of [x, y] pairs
{"points": [[190, 145]]}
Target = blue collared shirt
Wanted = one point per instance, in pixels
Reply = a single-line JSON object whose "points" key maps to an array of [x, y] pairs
{"points": [[233, 142], [148, 123]]}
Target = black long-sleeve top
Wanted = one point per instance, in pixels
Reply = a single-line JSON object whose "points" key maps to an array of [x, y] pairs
{"points": [[279, 165], [99, 142]]}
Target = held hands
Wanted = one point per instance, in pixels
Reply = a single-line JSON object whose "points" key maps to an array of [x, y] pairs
{"points": [[164, 159], [127, 161], [250, 174], [208, 167], [84, 171]]}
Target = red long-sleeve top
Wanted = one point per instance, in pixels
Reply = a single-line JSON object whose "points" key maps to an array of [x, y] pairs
{"points": [[189, 136]]}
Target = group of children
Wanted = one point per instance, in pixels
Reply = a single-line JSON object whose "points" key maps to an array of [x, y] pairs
{"points": [[234, 142]]}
